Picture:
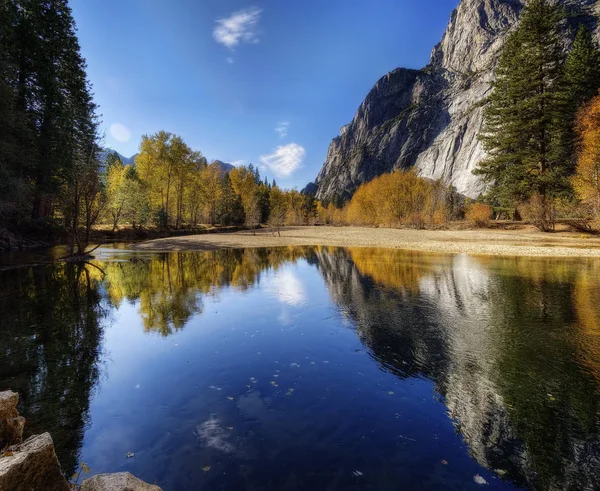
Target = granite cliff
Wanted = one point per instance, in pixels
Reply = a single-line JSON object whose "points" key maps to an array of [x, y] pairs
{"points": [[429, 119]]}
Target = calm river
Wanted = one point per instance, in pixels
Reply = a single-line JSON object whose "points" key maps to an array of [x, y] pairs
{"points": [[311, 368]]}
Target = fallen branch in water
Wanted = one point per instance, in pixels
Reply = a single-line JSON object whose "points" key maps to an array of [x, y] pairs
{"points": [[80, 256]]}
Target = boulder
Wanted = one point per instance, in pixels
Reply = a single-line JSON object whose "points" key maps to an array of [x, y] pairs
{"points": [[32, 465], [11, 424], [121, 481]]}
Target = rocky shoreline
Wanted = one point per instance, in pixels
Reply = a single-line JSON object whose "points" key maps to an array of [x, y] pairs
{"points": [[32, 465]]}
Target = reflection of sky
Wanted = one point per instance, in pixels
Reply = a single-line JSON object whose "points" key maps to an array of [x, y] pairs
{"points": [[287, 287], [234, 390]]}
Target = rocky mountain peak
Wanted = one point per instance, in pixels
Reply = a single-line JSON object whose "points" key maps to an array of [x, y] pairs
{"points": [[429, 119]]}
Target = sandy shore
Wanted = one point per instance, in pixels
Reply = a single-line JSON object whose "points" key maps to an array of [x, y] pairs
{"points": [[524, 242]]}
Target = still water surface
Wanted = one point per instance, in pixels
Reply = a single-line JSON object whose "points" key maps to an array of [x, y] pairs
{"points": [[311, 368]]}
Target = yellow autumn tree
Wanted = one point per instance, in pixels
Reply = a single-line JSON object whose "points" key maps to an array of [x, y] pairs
{"points": [[401, 198], [245, 185], [586, 181]]}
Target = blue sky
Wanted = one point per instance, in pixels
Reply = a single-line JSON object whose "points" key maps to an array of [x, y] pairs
{"points": [[268, 82]]}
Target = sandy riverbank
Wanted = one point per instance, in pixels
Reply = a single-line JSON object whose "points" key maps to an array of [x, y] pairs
{"points": [[522, 242]]}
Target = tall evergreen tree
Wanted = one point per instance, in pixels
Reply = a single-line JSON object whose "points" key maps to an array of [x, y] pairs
{"points": [[580, 84], [521, 125], [46, 107]]}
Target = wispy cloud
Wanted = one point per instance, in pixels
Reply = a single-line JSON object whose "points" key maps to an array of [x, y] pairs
{"points": [[282, 129], [238, 162], [120, 132], [239, 27], [230, 60], [285, 159]]}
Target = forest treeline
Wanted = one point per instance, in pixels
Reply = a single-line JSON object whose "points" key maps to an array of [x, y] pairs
{"points": [[49, 140], [171, 186]]}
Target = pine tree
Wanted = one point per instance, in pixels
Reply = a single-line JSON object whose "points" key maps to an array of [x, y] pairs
{"points": [[520, 126], [14, 147], [581, 83]]}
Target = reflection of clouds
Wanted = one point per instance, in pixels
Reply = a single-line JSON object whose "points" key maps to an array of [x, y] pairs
{"points": [[211, 434], [288, 288]]}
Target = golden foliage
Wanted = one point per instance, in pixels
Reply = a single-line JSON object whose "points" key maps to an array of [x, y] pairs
{"points": [[586, 298], [586, 181], [396, 269], [399, 199], [479, 215]]}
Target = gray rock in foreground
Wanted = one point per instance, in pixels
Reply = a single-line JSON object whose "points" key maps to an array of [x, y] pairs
{"points": [[11, 424], [32, 465], [121, 481]]}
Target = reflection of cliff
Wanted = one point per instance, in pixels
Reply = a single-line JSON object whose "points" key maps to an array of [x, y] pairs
{"points": [[512, 345], [49, 347]]}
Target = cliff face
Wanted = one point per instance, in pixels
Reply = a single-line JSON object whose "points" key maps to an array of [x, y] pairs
{"points": [[429, 119]]}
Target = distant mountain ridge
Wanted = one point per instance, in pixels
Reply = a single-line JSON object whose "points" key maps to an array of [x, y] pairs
{"points": [[125, 160], [224, 166]]}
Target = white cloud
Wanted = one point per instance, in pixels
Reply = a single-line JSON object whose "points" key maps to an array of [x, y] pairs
{"points": [[120, 132], [238, 163], [239, 27], [285, 159], [230, 60], [282, 129]]}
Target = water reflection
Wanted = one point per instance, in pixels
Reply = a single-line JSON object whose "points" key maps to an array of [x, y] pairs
{"points": [[52, 324], [511, 346]]}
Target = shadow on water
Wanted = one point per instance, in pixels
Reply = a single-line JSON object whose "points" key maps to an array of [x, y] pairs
{"points": [[52, 325], [511, 346]]}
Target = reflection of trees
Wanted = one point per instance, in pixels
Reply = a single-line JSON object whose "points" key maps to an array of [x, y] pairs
{"points": [[512, 345], [49, 347], [169, 287], [554, 401]]}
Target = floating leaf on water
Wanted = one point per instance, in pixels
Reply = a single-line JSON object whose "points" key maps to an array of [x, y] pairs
{"points": [[390, 392], [444, 462], [206, 468], [500, 472], [274, 384], [130, 455], [357, 473], [230, 427], [249, 386], [312, 362], [294, 365], [479, 480], [326, 361], [214, 387], [275, 375], [289, 392], [230, 398]]}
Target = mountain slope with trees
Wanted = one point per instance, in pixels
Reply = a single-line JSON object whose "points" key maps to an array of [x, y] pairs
{"points": [[430, 119]]}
